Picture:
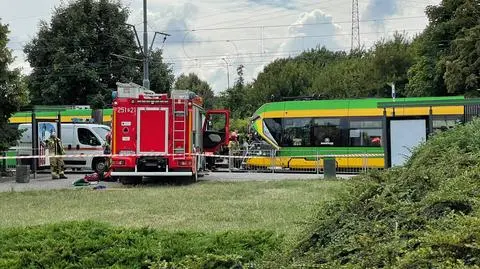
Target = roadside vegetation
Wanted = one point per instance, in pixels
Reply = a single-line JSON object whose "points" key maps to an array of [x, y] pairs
{"points": [[423, 215], [95, 245]]}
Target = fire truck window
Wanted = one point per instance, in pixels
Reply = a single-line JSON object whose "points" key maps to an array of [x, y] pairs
{"points": [[86, 137], [216, 123]]}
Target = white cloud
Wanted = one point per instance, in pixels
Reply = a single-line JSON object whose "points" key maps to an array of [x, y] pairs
{"points": [[312, 29], [221, 29]]}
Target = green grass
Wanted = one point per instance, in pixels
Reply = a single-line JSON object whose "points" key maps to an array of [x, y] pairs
{"points": [[283, 207]]}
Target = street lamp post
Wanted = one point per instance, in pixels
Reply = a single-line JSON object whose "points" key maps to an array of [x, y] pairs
{"points": [[228, 73], [146, 80]]}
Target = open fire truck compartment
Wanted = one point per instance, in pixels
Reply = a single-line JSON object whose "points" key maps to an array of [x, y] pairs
{"points": [[160, 135]]}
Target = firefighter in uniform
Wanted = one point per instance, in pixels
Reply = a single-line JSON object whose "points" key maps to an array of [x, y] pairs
{"points": [[55, 148], [107, 149]]}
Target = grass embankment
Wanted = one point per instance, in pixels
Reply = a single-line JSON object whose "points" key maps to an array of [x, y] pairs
{"points": [[201, 225], [424, 215]]}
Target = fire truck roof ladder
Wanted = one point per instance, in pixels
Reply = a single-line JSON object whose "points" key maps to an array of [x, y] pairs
{"points": [[180, 107]]}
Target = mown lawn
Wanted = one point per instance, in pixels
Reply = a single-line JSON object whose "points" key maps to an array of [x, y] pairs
{"points": [[283, 207]]}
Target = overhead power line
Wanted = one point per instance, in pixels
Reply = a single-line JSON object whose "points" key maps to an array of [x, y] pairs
{"points": [[265, 26], [214, 61], [289, 25]]}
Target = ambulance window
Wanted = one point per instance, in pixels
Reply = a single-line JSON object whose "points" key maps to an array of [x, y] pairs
{"points": [[86, 137], [101, 131]]}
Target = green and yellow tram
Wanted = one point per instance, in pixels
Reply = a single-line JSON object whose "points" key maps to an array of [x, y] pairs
{"points": [[300, 131], [67, 115]]}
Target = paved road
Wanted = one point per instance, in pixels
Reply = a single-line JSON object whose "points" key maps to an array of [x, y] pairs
{"points": [[44, 181]]}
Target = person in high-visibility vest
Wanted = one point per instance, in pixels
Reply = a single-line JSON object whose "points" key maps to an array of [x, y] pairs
{"points": [[55, 148]]}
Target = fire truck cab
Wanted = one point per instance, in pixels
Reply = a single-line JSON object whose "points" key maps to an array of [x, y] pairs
{"points": [[159, 135]]}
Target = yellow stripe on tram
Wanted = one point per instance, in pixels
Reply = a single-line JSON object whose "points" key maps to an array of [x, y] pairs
{"points": [[410, 111]]}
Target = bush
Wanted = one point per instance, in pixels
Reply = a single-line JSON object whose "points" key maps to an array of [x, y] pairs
{"points": [[96, 245], [422, 215]]}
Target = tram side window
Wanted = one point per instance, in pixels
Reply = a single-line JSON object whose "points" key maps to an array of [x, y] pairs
{"points": [[326, 132], [296, 132], [442, 123], [365, 133]]}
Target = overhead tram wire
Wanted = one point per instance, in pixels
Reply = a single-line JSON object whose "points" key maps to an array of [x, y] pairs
{"points": [[219, 23], [256, 15], [273, 38], [251, 27], [288, 25], [207, 57], [286, 37], [206, 64], [210, 28]]}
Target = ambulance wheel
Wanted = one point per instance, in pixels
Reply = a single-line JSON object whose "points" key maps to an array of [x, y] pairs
{"points": [[99, 165]]}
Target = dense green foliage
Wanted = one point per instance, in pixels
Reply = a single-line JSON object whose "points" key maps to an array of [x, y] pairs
{"points": [[161, 74], [96, 245], [193, 83], [13, 92], [423, 215], [72, 57], [84, 51]]}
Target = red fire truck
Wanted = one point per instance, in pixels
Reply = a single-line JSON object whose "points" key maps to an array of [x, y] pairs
{"points": [[157, 135]]}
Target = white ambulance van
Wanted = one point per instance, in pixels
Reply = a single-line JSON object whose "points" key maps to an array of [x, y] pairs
{"points": [[77, 139]]}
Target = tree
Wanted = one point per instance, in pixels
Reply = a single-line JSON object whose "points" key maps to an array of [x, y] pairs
{"points": [[352, 77], [235, 98], [283, 78], [161, 75], [73, 57], [13, 92], [193, 83], [292, 77], [462, 73], [437, 68], [391, 60]]}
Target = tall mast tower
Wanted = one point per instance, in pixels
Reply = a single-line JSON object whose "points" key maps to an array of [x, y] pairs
{"points": [[355, 26]]}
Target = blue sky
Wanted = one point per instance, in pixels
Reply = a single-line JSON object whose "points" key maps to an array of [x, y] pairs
{"points": [[248, 32]]}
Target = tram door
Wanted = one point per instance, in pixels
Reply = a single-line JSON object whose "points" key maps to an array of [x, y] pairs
{"points": [[405, 133]]}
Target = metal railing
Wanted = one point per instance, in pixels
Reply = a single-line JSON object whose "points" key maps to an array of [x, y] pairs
{"points": [[299, 162]]}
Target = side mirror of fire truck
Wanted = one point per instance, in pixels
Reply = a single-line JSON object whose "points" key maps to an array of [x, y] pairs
{"points": [[215, 130]]}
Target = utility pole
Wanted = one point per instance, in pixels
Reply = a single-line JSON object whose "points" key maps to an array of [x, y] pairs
{"points": [[228, 73], [144, 49], [146, 52]]}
